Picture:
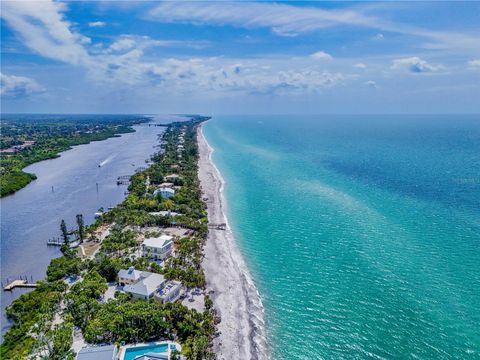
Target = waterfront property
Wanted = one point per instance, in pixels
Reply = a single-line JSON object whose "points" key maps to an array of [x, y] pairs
{"points": [[164, 213], [149, 351], [165, 192], [169, 292], [146, 285], [107, 352], [158, 248]]}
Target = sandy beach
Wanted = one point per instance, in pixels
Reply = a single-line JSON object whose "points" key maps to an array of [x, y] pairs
{"points": [[234, 294]]}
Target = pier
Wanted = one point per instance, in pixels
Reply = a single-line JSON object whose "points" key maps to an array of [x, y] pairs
{"points": [[217, 226], [18, 284], [55, 242], [123, 180]]}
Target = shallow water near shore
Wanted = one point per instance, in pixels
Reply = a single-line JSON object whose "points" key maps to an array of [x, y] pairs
{"points": [[362, 233]]}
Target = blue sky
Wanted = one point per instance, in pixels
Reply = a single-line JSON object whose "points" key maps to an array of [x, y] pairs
{"points": [[240, 57]]}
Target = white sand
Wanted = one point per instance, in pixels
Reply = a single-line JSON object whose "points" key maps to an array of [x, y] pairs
{"points": [[234, 294]]}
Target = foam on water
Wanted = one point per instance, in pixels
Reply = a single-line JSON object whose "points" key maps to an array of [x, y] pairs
{"points": [[361, 233]]}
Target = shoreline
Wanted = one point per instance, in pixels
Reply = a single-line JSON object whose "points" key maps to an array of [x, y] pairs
{"points": [[36, 268], [235, 297]]}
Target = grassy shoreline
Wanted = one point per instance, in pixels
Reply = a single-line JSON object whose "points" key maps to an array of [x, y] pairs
{"points": [[44, 319]]}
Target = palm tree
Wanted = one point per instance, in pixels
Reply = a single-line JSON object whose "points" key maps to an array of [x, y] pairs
{"points": [[81, 227], [63, 229]]}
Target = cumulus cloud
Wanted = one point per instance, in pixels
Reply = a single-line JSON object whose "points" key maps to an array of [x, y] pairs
{"points": [[415, 64], [18, 86], [371, 84], [45, 31], [378, 37], [97, 23], [228, 75], [321, 55]]}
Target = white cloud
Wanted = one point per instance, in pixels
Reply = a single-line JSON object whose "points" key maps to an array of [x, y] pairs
{"points": [[378, 37], [415, 64], [282, 19], [360, 66], [18, 86], [371, 84], [129, 42], [290, 20], [221, 75], [474, 63], [97, 23], [321, 55], [43, 29]]}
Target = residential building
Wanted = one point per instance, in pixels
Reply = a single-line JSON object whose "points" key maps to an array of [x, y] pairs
{"points": [[164, 192], [146, 286], [158, 248], [129, 276], [108, 352], [169, 292]]}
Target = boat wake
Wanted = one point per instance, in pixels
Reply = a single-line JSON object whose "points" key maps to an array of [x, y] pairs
{"points": [[107, 160]]}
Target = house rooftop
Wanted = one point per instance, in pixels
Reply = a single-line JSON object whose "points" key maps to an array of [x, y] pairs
{"points": [[164, 213], [158, 242], [130, 274], [148, 285], [106, 352]]}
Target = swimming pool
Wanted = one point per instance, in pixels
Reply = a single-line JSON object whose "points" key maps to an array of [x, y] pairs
{"points": [[133, 352]]}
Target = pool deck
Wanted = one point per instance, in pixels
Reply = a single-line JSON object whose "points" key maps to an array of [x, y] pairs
{"points": [[124, 348]]}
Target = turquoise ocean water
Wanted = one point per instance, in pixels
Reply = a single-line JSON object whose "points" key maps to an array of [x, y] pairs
{"points": [[362, 233]]}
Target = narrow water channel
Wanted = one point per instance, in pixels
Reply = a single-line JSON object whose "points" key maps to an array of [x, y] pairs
{"points": [[69, 185]]}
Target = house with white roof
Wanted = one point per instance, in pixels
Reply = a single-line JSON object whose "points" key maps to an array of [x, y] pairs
{"points": [[146, 287], [149, 285], [129, 276], [107, 352], [171, 291], [165, 192], [164, 213], [158, 248]]}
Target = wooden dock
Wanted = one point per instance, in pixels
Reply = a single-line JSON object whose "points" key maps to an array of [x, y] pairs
{"points": [[123, 180], [18, 283], [55, 242], [217, 226]]}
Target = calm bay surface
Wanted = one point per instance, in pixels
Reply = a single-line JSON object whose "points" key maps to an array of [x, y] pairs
{"points": [[362, 233], [32, 215]]}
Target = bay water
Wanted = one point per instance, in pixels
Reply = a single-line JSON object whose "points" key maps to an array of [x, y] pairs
{"points": [[71, 184], [362, 233]]}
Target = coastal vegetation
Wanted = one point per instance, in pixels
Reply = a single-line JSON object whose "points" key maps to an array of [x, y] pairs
{"points": [[26, 140], [74, 294]]}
